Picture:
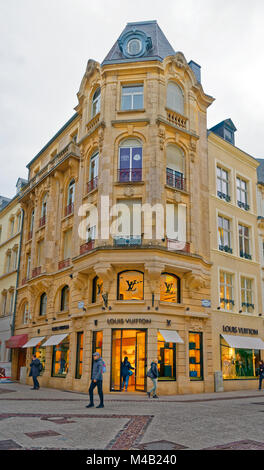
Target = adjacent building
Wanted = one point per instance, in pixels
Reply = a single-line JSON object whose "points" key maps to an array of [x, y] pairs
{"points": [[10, 230], [237, 323]]}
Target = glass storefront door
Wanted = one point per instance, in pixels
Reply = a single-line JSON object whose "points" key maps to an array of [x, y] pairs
{"points": [[130, 344]]}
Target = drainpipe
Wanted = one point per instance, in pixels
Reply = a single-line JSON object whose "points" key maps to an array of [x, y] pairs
{"points": [[17, 279]]}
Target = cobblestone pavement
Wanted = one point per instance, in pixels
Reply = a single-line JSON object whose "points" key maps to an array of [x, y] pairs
{"points": [[55, 419]]}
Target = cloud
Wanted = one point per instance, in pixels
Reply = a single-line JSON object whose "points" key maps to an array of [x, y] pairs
{"points": [[45, 46]]}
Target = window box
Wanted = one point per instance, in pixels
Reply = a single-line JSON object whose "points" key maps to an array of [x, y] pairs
{"points": [[245, 255], [246, 304], [223, 196], [243, 205], [225, 248], [227, 301], [64, 264]]}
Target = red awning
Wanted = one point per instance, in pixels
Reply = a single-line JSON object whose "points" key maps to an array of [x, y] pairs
{"points": [[16, 341]]}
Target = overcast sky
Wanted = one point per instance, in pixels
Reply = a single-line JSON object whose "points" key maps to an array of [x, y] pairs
{"points": [[45, 45]]}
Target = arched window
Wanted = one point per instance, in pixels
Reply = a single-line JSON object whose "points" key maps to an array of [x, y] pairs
{"points": [[175, 163], [130, 160], [65, 294], [96, 102], [43, 304], [97, 289], [25, 313], [70, 198], [169, 288], [130, 285], [175, 98]]}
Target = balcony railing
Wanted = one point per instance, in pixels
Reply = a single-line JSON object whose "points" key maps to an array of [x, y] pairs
{"points": [[126, 175], [88, 246], [175, 179], [92, 184], [176, 245], [24, 281], [64, 264], [42, 221], [127, 241], [36, 271], [177, 119], [69, 209]]}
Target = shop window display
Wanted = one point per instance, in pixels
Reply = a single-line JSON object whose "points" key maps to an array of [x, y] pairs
{"points": [[195, 356], [130, 285], [60, 361], [97, 289], [169, 288], [40, 353], [79, 355], [166, 359], [238, 363]]}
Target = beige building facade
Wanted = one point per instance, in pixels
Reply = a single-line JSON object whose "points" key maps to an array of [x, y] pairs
{"points": [[138, 138], [10, 230], [237, 321]]}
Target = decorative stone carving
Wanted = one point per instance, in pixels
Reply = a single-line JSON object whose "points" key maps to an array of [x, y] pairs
{"points": [[129, 191], [161, 134], [180, 61], [178, 197], [194, 282], [80, 283]]}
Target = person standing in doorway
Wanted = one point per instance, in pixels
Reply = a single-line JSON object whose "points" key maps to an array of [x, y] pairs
{"points": [[35, 368], [97, 381], [126, 371], [261, 373], [153, 374]]}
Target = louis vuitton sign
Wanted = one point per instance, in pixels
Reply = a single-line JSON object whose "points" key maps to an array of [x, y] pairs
{"points": [[128, 321]]}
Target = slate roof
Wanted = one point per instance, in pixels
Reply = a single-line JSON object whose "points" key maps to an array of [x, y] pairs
{"points": [[161, 47]]}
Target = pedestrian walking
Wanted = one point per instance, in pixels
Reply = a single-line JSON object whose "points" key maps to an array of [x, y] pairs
{"points": [[153, 374], [97, 380], [35, 369], [261, 373], [126, 372]]}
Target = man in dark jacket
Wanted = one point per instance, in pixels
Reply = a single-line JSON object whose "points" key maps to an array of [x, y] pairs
{"points": [[261, 373], [35, 371], [125, 374], [153, 374], [97, 381]]}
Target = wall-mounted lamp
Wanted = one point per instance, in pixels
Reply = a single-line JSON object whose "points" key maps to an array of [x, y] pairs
{"points": [[240, 311], [110, 308], [71, 276], [218, 308], [148, 307], [187, 309], [168, 322]]}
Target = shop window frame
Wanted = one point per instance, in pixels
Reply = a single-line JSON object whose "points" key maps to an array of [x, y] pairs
{"points": [[118, 288], [201, 363]]}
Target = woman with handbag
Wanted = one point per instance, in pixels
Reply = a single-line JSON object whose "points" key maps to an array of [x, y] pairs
{"points": [[126, 372]]}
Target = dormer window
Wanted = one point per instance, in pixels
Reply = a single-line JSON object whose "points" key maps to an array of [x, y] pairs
{"points": [[134, 46]]}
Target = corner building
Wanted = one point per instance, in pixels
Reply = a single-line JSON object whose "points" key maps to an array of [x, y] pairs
{"points": [[138, 136]]}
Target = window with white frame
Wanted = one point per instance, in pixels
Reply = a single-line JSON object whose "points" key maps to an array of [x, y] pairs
{"points": [[247, 302], [96, 102], [226, 291], [242, 193], [222, 181], [175, 98], [132, 97], [25, 313], [224, 234], [244, 241], [11, 302]]}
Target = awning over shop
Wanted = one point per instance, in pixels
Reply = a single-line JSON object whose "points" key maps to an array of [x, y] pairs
{"points": [[54, 340], [244, 342], [33, 342], [171, 336], [17, 341]]}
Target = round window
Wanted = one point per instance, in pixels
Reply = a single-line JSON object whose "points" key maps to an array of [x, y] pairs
{"points": [[134, 46]]}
